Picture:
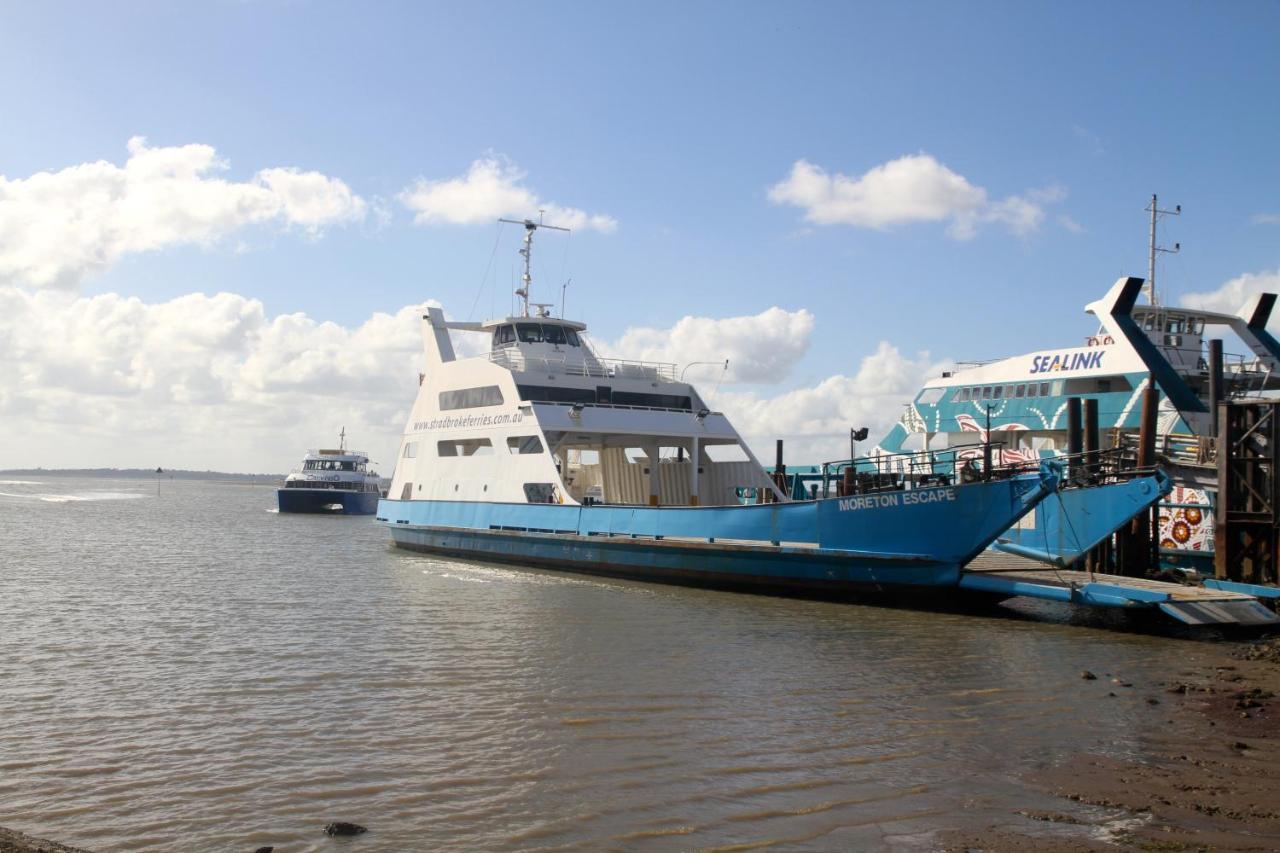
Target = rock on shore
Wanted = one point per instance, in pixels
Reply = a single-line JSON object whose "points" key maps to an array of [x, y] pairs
{"points": [[12, 841]]}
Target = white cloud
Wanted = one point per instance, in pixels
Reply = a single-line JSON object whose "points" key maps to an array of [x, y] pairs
{"points": [[57, 228], [214, 382], [815, 421], [913, 188], [760, 348], [491, 188], [1265, 219], [198, 381], [1233, 294], [1070, 224]]}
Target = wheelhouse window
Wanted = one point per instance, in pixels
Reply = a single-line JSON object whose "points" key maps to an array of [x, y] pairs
{"points": [[549, 333], [465, 447], [471, 398], [410, 450], [504, 335]]}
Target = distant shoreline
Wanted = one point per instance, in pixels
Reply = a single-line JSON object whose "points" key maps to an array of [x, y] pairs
{"points": [[143, 474]]}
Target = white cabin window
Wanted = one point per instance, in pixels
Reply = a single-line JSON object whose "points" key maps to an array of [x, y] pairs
{"points": [[471, 398], [410, 449], [930, 396], [465, 447], [541, 493], [524, 444]]}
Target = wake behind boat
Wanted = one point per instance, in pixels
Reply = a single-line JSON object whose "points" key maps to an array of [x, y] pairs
{"points": [[543, 453], [338, 482]]}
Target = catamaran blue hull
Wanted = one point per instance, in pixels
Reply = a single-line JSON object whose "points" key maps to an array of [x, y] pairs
{"points": [[327, 501], [914, 538]]}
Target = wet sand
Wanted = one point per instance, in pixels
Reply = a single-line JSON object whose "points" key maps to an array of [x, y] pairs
{"points": [[1210, 779]]}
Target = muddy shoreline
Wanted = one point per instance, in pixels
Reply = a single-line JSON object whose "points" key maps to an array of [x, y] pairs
{"points": [[1210, 779]]}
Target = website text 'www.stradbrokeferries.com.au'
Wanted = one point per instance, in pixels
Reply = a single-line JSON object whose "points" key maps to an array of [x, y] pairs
{"points": [[922, 496], [458, 421]]}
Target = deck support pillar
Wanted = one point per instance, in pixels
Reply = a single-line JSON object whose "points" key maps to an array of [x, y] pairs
{"points": [[654, 482], [695, 458]]}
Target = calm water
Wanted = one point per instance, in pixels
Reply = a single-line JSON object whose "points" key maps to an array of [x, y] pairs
{"points": [[193, 671]]}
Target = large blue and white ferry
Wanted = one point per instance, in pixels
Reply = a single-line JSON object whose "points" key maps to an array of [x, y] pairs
{"points": [[338, 482], [543, 453], [1019, 404]]}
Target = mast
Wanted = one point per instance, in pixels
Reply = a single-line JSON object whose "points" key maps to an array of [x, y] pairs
{"points": [[342, 441], [527, 253], [1153, 248]]}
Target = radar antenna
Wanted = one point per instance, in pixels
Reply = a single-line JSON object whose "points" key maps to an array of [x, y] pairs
{"points": [[526, 252], [1151, 263]]}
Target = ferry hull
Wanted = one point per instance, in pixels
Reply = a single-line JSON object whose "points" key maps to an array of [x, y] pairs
{"points": [[833, 545], [327, 501], [762, 568]]}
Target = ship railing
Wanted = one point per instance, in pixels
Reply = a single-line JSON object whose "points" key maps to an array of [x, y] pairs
{"points": [[605, 368], [966, 464]]}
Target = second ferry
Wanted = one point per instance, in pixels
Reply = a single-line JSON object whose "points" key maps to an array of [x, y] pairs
{"points": [[339, 482]]}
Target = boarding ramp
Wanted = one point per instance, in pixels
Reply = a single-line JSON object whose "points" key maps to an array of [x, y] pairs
{"points": [[1008, 575]]}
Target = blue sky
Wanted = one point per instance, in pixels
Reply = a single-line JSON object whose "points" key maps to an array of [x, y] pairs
{"points": [[676, 119]]}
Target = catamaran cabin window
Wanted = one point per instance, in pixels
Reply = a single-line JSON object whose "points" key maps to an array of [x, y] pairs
{"points": [[471, 398], [465, 447], [1020, 391], [960, 396], [998, 393], [524, 444], [1044, 388], [1031, 389], [410, 449]]}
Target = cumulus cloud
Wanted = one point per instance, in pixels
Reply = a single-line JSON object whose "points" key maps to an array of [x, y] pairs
{"points": [[213, 381], [57, 228], [491, 188], [815, 421], [910, 189], [197, 381], [1233, 294], [760, 348]]}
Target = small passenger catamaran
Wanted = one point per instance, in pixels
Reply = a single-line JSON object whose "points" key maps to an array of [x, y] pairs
{"points": [[338, 482], [542, 453]]}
